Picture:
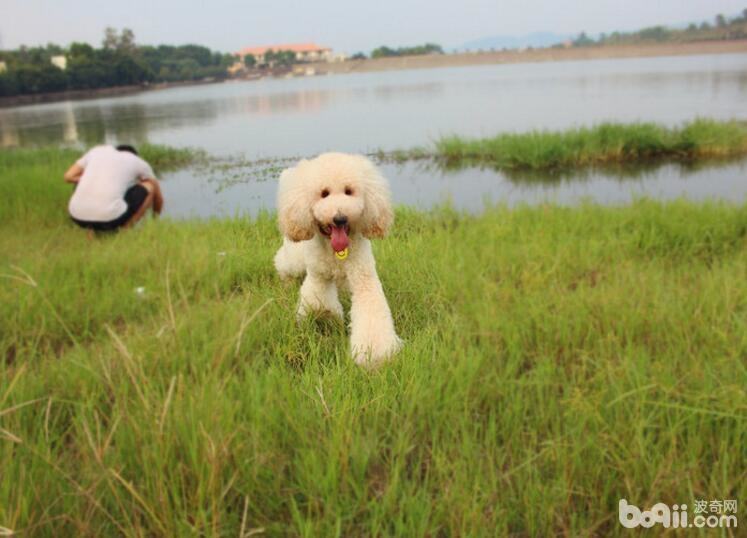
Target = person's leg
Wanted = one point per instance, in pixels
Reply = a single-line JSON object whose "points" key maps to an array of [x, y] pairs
{"points": [[147, 203], [87, 226]]}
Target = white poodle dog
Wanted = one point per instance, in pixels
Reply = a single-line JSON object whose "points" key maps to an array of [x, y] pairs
{"points": [[328, 209]]}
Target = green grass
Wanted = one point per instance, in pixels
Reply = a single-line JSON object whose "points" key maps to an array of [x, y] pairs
{"points": [[556, 360], [602, 145], [31, 183]]}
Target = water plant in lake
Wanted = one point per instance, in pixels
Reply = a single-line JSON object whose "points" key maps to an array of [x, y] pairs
{"points": [[606, 144]]}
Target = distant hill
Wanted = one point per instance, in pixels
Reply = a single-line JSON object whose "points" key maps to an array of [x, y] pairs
{"points": [[536, 39], [719, 28]]}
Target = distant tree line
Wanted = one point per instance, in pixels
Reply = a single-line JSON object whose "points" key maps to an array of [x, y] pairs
{"points": [[280, 58], [428, 48], [119, 62], [721, 28]]}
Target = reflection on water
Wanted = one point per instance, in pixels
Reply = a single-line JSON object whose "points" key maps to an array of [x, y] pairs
{"points": [[247, 188], [69, 123], [471, 188], [640, 170], [282, 103], [390, 110]]}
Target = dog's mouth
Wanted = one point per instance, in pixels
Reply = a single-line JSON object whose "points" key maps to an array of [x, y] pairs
{"points": [[338, 236]]}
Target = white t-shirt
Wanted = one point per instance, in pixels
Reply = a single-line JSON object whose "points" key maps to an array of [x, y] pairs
{"points": [[107, 174]]}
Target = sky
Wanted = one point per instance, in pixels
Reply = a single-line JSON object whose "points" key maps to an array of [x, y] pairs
{"points": [[344, 25]]}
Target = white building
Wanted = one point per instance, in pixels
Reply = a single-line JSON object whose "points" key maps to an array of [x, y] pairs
{"points": [[59, 61], [305, 52]]}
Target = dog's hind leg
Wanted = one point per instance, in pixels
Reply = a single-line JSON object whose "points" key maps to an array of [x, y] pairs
{"points": [[289, 260], [319, 294]]}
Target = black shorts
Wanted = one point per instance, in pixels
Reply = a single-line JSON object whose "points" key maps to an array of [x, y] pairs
{"points": [[134, 198]]}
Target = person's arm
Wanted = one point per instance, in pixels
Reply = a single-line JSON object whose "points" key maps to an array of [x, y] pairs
{"points": [[146, 175], [149, 176], [73, 173], [155, 189]]}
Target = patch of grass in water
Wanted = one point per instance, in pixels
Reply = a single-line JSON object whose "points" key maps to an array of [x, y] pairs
{"points": [[604, 144], [166, 158]]}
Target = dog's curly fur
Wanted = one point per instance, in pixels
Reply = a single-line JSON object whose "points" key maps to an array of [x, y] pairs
{"points": [[310, 195]]}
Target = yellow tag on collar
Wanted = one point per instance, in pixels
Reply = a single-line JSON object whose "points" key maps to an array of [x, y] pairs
{"points": [[342, 254]]}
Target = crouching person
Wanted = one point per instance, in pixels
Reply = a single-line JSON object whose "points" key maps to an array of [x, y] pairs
{"points": [[114, 189]]}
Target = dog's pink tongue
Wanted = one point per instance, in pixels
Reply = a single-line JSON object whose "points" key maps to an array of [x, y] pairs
{"points": [[340, 239]]}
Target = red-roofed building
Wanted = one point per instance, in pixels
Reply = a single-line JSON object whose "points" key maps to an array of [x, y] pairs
{"points": [[305, 52]]}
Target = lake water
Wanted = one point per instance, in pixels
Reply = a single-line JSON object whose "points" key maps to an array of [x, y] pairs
{"points": [[279, 118]]}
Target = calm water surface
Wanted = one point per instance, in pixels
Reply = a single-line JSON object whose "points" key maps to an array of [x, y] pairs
{"points": [[197, 194], [402, 109]]}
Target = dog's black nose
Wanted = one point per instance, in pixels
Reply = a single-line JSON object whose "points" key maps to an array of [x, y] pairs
{"points": [[340, 220]]}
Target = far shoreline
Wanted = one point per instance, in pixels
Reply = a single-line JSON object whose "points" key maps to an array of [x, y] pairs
{"points": [[532, 56], [97, 93], [401, 63]]}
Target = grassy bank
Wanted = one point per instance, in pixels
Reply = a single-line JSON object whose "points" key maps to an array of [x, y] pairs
{"points": [[31, 186], [48, 160], [602, 145], [557, 359]]}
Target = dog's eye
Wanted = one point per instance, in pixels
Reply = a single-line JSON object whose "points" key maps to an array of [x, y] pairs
{"points": [[325, 193], [348, 191]]}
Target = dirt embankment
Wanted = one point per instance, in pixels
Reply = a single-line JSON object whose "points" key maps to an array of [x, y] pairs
{"points": [[424, 62], [98, 93], [538, 55]]}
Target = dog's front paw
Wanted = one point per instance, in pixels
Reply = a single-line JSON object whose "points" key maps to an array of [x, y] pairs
{"points": [[331, 308], [376, 351]]}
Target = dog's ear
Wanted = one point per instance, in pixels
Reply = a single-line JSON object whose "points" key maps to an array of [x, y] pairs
{"points": [[294, 207], [378, 215]]}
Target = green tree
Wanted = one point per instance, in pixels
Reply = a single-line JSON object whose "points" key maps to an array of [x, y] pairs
{"points": [[250, 61], [226, 59], [111, 39], [80, 51], [188, 69], [201, 55], [54, 50], [126, 41], [8, 84], [655, 33], [583, 40], [86, 73], [281, 58], [128, 71], [119, 61], [287, 58], [40, 79], [428, 48], [383, 52]]}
